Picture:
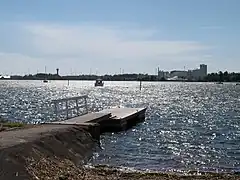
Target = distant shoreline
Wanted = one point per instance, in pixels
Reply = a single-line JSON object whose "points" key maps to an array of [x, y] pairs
{"points": [[212, 77], [136, 80]]}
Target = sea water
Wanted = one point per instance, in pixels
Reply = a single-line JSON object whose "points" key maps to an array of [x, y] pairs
{"points": [[189, 126]]}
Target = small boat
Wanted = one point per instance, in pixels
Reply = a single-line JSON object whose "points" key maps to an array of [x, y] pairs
{"points": [[99, 82], [45, 81]]}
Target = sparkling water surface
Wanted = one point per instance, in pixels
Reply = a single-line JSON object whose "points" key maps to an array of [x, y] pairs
{"points": [[189, 126]]}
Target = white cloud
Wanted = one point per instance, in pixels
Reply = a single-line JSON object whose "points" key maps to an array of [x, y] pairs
{"points": [[110, 47], [14, 63], [104, 42]]}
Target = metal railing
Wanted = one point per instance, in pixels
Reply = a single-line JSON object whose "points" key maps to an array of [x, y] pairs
{"points": [[67, 105]]}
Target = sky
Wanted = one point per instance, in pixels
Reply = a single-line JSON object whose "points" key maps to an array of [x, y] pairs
{"points": [[118, 36]]}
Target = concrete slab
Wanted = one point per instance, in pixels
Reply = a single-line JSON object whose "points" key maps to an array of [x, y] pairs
{"points": [[11, 138], [87, 118]]}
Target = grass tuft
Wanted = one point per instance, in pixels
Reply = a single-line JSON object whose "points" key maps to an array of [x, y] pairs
{"points": [[12, 124], [4, 124]]}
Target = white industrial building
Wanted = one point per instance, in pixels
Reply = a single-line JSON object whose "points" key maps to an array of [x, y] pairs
{"points": [[163, 74], [4, 77], [198, 74], [195, 74]]}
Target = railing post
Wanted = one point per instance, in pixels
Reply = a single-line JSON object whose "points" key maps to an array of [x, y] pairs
{"points": [[81, 103], [77, 106], [86, 106], [67, 108], [56, 109]]}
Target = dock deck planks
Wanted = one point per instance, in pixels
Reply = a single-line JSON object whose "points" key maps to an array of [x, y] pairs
{"points": [[122, 113], [108, 120], [87, 118]]}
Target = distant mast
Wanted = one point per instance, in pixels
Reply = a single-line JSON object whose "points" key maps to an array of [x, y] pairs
{"points": [[45, 80]]}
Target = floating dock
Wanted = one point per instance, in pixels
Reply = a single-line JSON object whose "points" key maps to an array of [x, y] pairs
{"points": [[108, 120], [121, 119]]}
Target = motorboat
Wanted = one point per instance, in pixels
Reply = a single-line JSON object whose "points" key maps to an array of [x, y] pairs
{"points": [[99, 82], [45, 81]]}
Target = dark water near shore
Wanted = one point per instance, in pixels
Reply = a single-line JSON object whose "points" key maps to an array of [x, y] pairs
{"points": [[189, 126]]}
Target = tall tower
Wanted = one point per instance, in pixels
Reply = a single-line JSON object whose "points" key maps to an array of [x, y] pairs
{"points": [[203, 70], [57, 71]]}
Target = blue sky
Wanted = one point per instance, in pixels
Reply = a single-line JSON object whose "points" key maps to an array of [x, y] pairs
{"points": [[102, 36]]}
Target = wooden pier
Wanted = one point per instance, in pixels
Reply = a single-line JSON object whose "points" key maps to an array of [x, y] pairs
{"points": [[108, 120], [121, 119]]}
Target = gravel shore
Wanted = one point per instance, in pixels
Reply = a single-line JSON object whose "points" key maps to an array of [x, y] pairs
{"points": [[58, 169]]}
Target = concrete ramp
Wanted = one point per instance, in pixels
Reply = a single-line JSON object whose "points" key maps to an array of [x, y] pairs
{"points": [[87, 118], [25, 152]]}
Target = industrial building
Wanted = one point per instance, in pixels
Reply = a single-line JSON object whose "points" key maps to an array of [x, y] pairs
{"points": [[195, 74]]}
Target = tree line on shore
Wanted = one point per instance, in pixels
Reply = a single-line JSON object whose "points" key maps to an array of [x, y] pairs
{"points": [[212, 77], [223, 77]]}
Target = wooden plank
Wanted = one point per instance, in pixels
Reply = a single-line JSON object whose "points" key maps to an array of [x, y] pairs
{"points": [[87, 118], [122, 113]]}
